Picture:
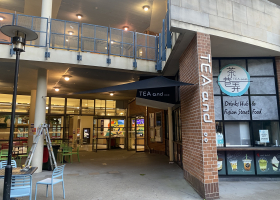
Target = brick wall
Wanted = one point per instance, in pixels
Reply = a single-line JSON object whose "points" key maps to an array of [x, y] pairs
{"points": [[199, 158], [155, 147]]}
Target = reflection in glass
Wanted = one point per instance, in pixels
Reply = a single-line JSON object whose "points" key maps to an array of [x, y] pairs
{"points": [[73, 106], [57, 105], [237, 134], [100, 107], [269, 127], [87, 106]]}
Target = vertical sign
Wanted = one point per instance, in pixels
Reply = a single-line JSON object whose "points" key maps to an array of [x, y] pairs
{"points": [[206, 79]]}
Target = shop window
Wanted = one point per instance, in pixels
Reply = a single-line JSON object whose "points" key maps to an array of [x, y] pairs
{"points": [[47, 104], [6, 102], [219, 134], [262, 85], [88, 106], [260, 67], [73, 106], [56, 126], [121, 112], [110, 108], [23, 104], [100, 107], [266, 133], [57, 105], [237, 134]]}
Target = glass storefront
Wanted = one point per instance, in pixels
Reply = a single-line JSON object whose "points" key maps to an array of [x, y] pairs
{"points": [[247, 125]]}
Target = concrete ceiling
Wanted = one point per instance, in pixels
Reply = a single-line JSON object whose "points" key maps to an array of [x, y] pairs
{"points": [[111, 13], [275, 1], [82, 79]]}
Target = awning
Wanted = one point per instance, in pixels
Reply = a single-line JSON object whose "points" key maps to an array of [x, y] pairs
{"points": [[156, 82]]}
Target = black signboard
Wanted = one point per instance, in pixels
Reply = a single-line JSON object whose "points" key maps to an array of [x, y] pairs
{"points": [[166, 94], [267, 162], [240, 163]]}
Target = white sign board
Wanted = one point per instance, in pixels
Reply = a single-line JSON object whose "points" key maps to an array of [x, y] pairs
{"points": [[264, 137]]}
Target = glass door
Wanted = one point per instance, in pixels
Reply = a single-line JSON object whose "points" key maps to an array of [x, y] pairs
{"points": [[131, 134], [117, 136], [140, 131], [102, 133]]}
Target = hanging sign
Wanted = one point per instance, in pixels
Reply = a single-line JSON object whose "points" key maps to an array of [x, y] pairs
{"points": [[234, 80]]}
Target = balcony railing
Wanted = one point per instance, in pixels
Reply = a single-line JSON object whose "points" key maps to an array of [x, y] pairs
{"points": [[61, 34]]}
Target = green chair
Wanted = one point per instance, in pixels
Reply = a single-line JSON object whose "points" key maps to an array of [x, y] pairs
{"points": [[23, 155], [4, 154], [78, 146], [66, 151]]}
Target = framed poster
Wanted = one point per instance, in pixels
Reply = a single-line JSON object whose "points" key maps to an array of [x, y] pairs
{"points": [[267, 162], [240, 163]]}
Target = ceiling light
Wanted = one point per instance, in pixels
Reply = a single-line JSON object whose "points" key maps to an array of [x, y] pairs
{"points": [[79, 16], [66, 40], [47, 107], [112, 42], [71, 32], [111, 93], [66, 77], [1, 18], [56, 89], [146, 7], [125, 28]]}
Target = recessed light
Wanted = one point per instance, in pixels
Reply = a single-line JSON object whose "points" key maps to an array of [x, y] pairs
{"points": [[1, 18], [146, 7], [71, 32], [125, 28], [66, 77], [79, 16], [111, 93]]}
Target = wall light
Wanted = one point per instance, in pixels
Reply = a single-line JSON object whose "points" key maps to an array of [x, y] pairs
{"points": [[79, 16], [71, 32], [56, 89], [146, 7], [66, 77], [125, 28]]}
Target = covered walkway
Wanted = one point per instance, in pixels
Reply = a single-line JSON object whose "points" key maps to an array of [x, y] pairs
{"points": [[126, 175]]}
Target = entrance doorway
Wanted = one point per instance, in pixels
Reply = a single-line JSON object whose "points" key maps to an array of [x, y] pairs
{"points": [[136, 134], [109, 133]]}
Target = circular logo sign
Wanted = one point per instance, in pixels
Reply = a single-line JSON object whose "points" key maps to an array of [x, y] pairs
{"points": [[234, 80]]}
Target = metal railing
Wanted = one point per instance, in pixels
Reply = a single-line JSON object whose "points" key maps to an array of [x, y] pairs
{"points": [[6, 19], [94, 38], [36, 24], [62, 34]]}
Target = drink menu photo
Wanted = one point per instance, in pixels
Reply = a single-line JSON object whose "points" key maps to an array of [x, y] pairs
{"points": [[240, 163]]}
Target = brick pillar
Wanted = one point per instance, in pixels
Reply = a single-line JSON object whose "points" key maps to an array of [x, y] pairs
{"points": [[198, 118]]}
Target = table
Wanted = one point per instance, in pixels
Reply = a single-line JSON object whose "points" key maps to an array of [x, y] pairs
{"points": [[17, 171]]}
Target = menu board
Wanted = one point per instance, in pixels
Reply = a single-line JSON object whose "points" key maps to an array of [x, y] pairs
{"points": [[240, 163], [267, 162], [221, 163]]}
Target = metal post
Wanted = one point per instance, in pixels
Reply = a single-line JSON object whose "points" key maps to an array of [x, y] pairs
{"points": [[8, 168]]}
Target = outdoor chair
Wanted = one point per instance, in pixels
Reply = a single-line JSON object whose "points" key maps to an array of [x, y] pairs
{"points": [[78, 147], [21, 186], [57, 177], [66, 151], [4, 163]]}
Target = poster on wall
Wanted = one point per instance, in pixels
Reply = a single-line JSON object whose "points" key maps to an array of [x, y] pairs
{"points": [[240, 163], [221, 163], [268, 162]]}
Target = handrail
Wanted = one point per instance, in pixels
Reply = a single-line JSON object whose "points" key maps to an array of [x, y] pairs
{"points": [[62, 34]]}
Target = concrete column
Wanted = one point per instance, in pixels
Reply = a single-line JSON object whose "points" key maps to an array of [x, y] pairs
{"points": [[170, 130], [31, 117], [40, 115], [46, 11]]}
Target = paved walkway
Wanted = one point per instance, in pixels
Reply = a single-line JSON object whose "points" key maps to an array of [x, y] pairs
{"points": [[123, 175]]}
